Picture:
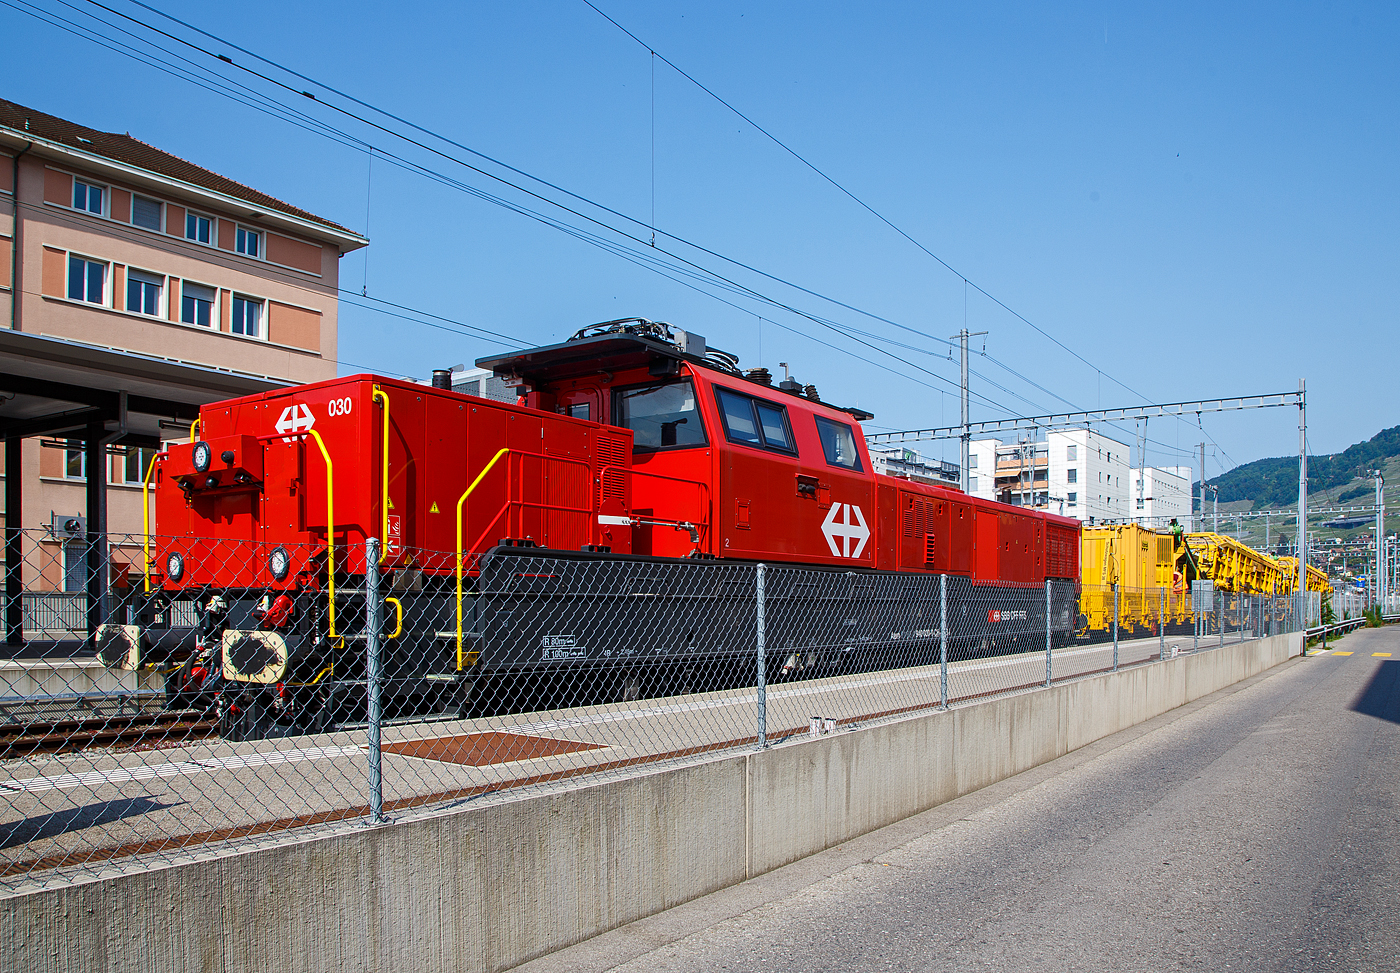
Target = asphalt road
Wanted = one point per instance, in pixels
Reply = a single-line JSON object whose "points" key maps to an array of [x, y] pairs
{"points": [[1256, 829]]}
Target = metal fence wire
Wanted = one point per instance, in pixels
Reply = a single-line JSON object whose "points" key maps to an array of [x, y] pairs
{"points": [[237, 691]]}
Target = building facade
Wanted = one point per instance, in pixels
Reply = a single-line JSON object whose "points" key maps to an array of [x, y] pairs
{"points": [[108, 242], [1166, 496], [1075, 472]]}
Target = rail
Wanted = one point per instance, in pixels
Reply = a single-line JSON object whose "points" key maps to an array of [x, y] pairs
{"points": [[146, 523], [1322, 631], [398, 624], [699, 524], [460, 501], [461, 550], [380, 394], [330, 527]]}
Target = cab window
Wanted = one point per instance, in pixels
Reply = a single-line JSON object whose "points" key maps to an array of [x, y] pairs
{"points": [[839, 443], [754, 422], [660, 416]]}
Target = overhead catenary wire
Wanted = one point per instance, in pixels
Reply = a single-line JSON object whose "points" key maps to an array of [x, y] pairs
{"points": [[967, 282], [709, 276], [719, 277], [712, 278]]}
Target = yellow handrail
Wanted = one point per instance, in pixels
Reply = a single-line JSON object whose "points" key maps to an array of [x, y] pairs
{"points": [[379, 393], [461, 500], [193, 426], [146, 518], [330, 525], [398, 609]]}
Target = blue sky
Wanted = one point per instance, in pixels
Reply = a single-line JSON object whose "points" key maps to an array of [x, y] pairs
{"points": [[1199, 201]]}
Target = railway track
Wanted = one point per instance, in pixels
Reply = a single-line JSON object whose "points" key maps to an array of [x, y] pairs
{"points": [[82, 733]]}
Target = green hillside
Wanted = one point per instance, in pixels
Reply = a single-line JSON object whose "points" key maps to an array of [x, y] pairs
{"points": [[1270, 483]]}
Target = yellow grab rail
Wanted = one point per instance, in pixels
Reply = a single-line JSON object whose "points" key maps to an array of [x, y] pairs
{"points": [[380, 394], [193, 427], [330, 524], [398, 609], [146, 519], [461, 500]]}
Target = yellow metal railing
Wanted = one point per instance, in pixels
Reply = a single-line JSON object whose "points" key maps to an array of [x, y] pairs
{"points": [[330, 525], [194, 430], [398, 624], [461, 500], [381, 395], [146, 519]]}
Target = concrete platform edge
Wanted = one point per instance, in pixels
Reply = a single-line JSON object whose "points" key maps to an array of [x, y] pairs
{"points": [[485, 889]]}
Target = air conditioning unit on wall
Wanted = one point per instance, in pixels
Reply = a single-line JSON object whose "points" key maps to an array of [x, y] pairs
{"points": [[67, 528]]}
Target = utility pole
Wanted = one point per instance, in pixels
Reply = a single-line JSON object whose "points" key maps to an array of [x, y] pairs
{"points": [[1202, 521], [1379, 593], [1302, 501], [1142, 468], [966, 436]]}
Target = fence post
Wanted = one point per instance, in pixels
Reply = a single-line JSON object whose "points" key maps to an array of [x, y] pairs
{"points": [[375, 716], [1048, 670], [762, 661], [1162, 624], [1115, 626], [943, 640], [1220, 620]]}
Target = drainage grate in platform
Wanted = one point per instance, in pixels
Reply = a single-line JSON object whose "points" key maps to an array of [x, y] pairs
{"points": [[484, 749]]}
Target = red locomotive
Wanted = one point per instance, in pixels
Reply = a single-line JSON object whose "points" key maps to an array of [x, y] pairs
{"points": [[603, 524]]}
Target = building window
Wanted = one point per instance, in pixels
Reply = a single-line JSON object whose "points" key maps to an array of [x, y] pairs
{"points": [[248, 242], [247, 316], [143, 292], [135, 463], [198, 228], [74, 566], [197, 304], [972, 461], [75, 461], [88, 197], [146, 213], [1072, 453], [1072, 499], [87, 280], [1072, 476], [971, 484]]}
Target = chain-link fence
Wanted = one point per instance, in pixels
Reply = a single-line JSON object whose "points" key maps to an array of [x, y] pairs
{"points": [[240, 689]]}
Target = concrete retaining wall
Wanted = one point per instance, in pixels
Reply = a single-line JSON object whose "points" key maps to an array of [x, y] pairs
{"points": [[485, 889]]}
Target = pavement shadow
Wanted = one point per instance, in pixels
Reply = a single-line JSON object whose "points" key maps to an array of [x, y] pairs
{"points": [[75, 819], [1381, 695]]}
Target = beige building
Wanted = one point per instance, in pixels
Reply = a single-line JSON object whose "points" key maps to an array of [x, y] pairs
{"points": [[110, 243]]}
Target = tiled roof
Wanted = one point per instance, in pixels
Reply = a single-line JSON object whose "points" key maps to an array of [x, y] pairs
{"points": [[134, 152]]}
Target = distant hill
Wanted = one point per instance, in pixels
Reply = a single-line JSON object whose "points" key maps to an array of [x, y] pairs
{"points": [[1274, 482]]}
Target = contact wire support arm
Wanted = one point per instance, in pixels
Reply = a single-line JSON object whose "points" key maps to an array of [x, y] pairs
{"points": [[460, 501]]}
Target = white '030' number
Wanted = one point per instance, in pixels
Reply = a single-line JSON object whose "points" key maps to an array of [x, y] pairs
{"points": [[338, 407]]}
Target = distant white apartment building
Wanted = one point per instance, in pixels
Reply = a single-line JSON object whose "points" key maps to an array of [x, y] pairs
{"points": [[1091, 473], [1166, 494], [907, 464], [1077, 472]]}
